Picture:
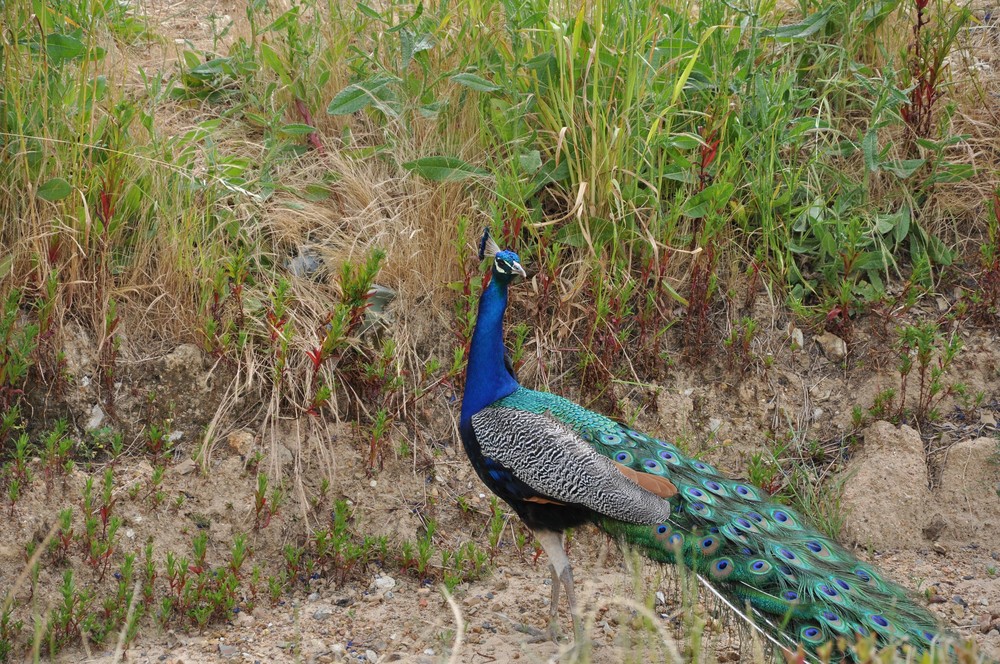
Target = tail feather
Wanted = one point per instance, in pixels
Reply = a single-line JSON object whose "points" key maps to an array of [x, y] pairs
{"points": [[760, 557]]}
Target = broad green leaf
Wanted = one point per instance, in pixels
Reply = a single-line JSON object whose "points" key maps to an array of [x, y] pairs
{"points": [[281, 23], [949, 172], [905, 168], [549, 172], [424, 43], [885, 223], [357, 96], [444, 169], [273, 61], [939, 251], [530, 161], [869, 146], [191, 59], [369, 12], [877, 12], [813, 24], [64, 47], [316, 192], [903, 227], [683, 141], [297, 129], [214, 67], [405, 47], [54, 190], [431, 110], [477, 83], [870, 260]]}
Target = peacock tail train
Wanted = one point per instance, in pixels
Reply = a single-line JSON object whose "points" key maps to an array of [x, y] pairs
{"points": [[761, 557]]}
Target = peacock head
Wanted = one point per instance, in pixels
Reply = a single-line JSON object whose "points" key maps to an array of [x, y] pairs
{"points": [[506, 264]]}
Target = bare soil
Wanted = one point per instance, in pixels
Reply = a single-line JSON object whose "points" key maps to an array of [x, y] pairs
{"points": [[923, 506]]}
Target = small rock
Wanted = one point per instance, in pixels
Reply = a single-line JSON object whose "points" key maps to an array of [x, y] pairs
{"points": [[833, 346], [307, 265], [385, 582], [987, 418], [795, 333], [227, 651], [313, 597], [337, 649], [240, 442], [96, 418], [994, 632], [322, 612], [984, 623], [661, 599], [958, 599], [371, 656], [471, 600], [186, 467], [430, 652]]}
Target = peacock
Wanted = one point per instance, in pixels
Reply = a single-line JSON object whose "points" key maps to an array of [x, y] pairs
{"points": [[559, 465]]}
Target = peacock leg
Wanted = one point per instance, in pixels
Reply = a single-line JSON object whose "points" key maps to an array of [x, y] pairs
{"points": [[567, 579], [554, 605], [562, 575]]}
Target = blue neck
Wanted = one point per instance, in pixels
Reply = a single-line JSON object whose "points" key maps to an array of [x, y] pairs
{"points": [[486, 378]]}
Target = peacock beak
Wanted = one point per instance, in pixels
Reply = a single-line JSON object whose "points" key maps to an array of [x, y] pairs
{"points": [[518, 270]]}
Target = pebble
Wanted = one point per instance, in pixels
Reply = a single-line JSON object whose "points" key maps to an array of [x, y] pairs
{"points": [[96, 418], [385, 582], [371, 656], [227, 651], [834, 348], [313, 597]]}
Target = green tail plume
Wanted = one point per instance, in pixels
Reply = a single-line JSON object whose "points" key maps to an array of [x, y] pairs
{"points": [[761, 557]]}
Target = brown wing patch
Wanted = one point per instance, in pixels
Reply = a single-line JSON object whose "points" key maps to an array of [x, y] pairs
{"points": [[660, 486], [548, 501]]}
